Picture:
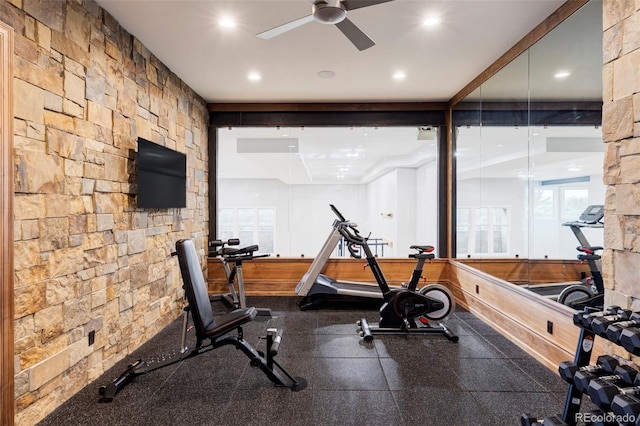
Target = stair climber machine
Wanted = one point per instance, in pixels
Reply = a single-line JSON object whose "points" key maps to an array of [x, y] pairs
{"points": [[404, 310]]}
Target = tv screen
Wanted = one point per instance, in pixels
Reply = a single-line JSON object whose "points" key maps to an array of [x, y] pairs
{"points": [[162, 176]]}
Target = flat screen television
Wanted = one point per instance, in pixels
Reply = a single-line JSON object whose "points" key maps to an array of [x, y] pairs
{"points": [[162, 176]]}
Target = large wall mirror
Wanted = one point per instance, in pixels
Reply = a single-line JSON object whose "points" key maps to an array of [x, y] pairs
{"points": [[275, 185], [529, 150]]}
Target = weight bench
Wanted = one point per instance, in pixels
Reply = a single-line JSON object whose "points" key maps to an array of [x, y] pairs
{"points": [[213, 329]]}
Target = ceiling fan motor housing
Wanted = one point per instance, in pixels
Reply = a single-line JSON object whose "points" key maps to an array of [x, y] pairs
{"points": [[329, 11]]}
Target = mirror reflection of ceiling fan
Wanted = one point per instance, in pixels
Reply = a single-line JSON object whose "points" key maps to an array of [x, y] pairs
{"points": [[331, 12]]}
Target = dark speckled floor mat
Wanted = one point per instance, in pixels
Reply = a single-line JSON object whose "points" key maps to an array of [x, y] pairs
{"points": [[395, 380]]}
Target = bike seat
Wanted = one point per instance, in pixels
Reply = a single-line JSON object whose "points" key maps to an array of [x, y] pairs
{"points": [[227, 251], [589, 249], [422, 249]]}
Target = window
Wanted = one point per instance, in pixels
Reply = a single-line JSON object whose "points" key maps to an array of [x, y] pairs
{"points": [[482, 230], [543, 203], [574, 201], [249, 225]]}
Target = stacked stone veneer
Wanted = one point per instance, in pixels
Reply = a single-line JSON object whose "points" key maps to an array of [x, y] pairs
{"points": [[86, 259], [621, 129]]}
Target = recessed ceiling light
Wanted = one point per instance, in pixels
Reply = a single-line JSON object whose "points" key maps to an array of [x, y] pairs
{"points": [[254, 76], [399, 75], [431, 21], [326, 74], [562, 74], [227, 23]]}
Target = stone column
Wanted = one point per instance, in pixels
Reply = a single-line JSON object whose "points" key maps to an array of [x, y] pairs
{"points": [[621, 132]]}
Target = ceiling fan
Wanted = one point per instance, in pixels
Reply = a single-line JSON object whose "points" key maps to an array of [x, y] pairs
{"points": [[331, 12]]}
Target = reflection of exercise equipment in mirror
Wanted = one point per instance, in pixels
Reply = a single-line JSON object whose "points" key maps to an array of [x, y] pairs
{"points": [[208, 328], [590, 290], [403, 307], [236, 256]]}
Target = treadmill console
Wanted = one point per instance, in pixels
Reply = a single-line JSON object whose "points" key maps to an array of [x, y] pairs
{"points": [[593, 214]]}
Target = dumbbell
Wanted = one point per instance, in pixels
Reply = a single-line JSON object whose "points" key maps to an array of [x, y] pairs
{"points": [[603, 389], [582, 319], [620, 374], [529, 420], [614, 330], [604, 363], [599, 325], [627, 407], [630, 339]]}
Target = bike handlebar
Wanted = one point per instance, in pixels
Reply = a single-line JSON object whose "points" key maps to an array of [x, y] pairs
{"points": [[337, 213]]}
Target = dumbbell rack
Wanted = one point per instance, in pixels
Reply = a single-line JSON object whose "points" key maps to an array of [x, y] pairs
{"points": [[582, 358]]}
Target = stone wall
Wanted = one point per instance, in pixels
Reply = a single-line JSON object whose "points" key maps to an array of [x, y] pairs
{"points": [[621, 130], [86, 259]]}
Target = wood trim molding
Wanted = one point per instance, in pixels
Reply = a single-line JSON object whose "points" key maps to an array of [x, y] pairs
{"points": [[552, 21], [7, 407], [519, 315]]}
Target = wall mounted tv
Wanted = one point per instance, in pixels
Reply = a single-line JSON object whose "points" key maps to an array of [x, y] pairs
{"points": [[162, 176]]}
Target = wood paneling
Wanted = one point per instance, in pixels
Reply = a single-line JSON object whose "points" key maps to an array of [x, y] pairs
{"points": [[273, 276], [531, 271], [7, 410], [519, 315]]}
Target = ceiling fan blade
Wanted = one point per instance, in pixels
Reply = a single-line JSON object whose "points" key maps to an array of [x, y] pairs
{"points": [[355, 34], [285, 27], [358, 4]]}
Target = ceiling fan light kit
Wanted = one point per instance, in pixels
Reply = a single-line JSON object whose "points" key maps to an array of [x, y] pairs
{"points": [[332, 12], [329, 11]]}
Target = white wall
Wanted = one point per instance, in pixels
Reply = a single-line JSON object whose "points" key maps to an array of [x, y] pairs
{"points": [[500, 193], [303, 215], [304, 219], [410, 197], [548, 237], [552, 239], [310, 217], [427, 205]]}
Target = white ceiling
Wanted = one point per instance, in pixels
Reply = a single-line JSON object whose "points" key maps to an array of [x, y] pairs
{"points": [[325, 155], [343, 155], [438, 61]]}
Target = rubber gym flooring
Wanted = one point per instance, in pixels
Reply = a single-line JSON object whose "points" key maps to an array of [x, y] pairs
{"points": [[395, 380]]}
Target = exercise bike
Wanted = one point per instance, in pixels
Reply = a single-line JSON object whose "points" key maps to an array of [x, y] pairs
{"points": [[236, 256], [401, 306], [589, 291], [406, 311]]}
